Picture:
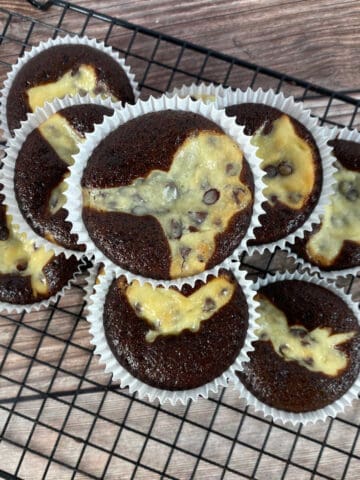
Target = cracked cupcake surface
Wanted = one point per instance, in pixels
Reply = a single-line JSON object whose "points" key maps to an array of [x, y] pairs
{"points": [[176, 339], [308, 349], [335, 243], [29, 274], [167, 195], [43, 164], [292, 165], [65, 70]]}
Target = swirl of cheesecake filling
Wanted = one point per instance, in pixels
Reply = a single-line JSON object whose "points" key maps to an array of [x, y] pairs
{"points": [[169, 312], [65, 70], [341, 220], [42, 167], [315, 350], [288, 162], [194, 201]]}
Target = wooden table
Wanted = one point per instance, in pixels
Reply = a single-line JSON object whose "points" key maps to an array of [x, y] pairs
{"points": [[50, 384]]}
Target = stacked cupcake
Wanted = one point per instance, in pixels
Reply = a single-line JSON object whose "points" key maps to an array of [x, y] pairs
{"points": [[165, 196]]}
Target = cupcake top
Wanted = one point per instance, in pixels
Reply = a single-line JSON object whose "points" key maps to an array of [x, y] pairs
{"points": [[291, 160], [42, 165], [176, 339], [29, 274], [167, 195], [308, 352], [335, 244], [65, 70]]}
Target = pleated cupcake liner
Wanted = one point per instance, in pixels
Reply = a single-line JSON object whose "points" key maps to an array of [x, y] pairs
{"points": [[226, 97], [351, 136], [42, 46], [143, 390], [12, 308], [334, 408], [121, 116], [33, 121]]}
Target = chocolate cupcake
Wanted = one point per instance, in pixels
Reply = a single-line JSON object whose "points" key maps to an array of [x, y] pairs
{"points": [[166, 194], [29, 275], [60, 67], [38, 161], [172, 343], [334, 245], [307, 356]]}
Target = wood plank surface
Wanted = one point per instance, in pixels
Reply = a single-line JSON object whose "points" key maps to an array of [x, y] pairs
{"points": [[51, 385]]}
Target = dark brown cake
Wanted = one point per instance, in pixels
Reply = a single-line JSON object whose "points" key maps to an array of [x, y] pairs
{"points": [[20, 274], [280, 380], [152, 150], [50, 65], [335, 244], [184, 360], [280, 218], [40, 170]]}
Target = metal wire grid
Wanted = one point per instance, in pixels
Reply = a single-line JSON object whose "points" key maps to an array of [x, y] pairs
{"points": [[60, 414]]}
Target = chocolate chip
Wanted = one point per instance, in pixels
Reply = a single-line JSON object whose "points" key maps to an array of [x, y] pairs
{"points": [[271, 171], [175, 229], [283, 348], [82, 92], [305, 343], [211, 196], [352, 195], [285, 169], [294, 197], [309, 361], [237, 194], [231, 169], [22, 265], [345, 186], [4, 232], [193, 229], [184, 252], [170, 191], [197, 217], [300, 332], [209, 305]]}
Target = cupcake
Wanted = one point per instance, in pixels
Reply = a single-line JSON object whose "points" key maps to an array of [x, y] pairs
{"points": [[307, 356], [166, 194], [38, 161], [60, 67], [29, 275], [163, 341], [291, 160], [334, 245]]}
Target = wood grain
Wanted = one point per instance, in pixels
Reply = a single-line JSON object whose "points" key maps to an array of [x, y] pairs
{"points": [[43, 355]]}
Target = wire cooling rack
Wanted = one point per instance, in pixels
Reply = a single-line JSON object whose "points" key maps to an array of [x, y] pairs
{"points": [[61, 417]]}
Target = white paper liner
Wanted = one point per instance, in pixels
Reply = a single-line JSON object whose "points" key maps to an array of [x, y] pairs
{"points": [[9, 308], [330, 410], [352, 136], [66, 40], [121, 116], [226, 97], [89, 287], [9, 163], [95, 318]]}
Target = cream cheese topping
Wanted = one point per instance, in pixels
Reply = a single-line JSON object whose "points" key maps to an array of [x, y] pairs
{"points": [[19, 256], [194, 201], [341, 220], [288, 161], [314, 350], [169, 312], [83, 81]]}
